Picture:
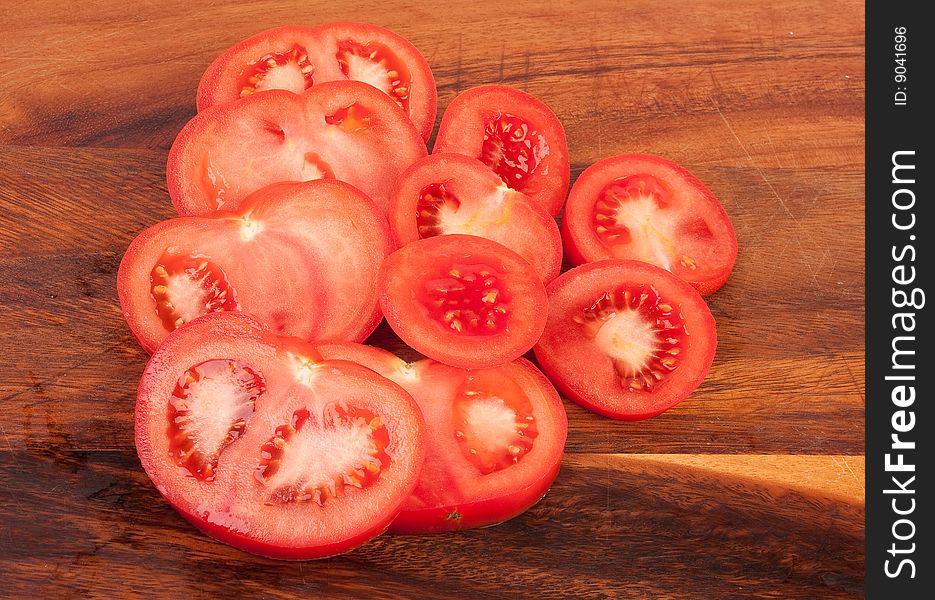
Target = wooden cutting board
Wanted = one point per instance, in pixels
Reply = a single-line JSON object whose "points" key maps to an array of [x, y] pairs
{"points": [[752, 487]]}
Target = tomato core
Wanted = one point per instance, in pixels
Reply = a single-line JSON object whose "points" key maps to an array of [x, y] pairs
{"points": [[642, 333], [290, 70], [434, 201], [208, 410], [627, 213], [308, 461], [375, 64], [186, 287], [468, 298], [493, 422], [513, 149]]}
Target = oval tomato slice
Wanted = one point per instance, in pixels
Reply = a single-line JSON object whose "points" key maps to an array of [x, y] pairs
{"points": [[343, 130], [626, 339], [642, 207], [303, 257], [295, 58], [264, 446], [495, 438], [451, 193], [517, 136], [463, 300]]}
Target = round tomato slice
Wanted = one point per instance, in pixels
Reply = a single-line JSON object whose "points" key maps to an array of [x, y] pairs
{"points": [[495, 438], [343, 130], [517, 136], [642, 207], [451, 193], [463, 300], [295, 58], [264, 446], [302, 257], [626, 339]]}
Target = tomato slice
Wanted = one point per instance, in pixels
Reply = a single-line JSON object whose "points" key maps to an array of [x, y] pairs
{"points": [[626, 339], [303, 257], [344, 130], [643, 207], [517, 136], [463, 300], [296, 58], [495, 438], [264, 446], [451, 193]]}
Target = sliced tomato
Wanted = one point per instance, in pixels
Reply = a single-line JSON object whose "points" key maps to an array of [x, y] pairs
{"points": [[451, 193], [495, 438], [463, 300], [295, 58], [517, 136], [303, 257], [343, 130], [264, 446], [626, 339], [643, 207]]}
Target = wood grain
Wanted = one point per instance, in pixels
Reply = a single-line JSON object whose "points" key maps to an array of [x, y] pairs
{"points": [[753, 487]]}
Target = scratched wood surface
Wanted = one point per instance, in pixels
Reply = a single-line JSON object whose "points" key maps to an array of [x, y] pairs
{"points": [[752, 487]]}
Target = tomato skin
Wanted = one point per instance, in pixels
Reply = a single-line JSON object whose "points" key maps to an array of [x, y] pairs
{"points": [[462, 131], [584, 374], [228, 151], [219, 83], [495, 211], [583, 245], [448, 486], [410, 269], [231, 513], [282, 274]]}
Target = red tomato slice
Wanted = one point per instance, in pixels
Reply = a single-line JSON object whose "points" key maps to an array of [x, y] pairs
{"points": [[514, 134], [343, 130], [296, 58], [495, 438], [463, 300], [264, 446], [642, 207], [303, 257], [626, 339], [451, 193]]}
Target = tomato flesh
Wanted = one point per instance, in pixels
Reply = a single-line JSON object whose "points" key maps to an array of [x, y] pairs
{"points": [[626, 339], [496, 438], [345, 130], [646, 208], [264, 445], [376, 64], [515, 135], [302, 257], [463, 300], [451, 193]]}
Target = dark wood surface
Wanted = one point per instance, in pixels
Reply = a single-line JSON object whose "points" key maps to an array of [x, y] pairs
{"points": [[752, 487]]}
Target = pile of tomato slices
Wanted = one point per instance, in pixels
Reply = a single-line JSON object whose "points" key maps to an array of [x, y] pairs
{"points": [[310, 209]]}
